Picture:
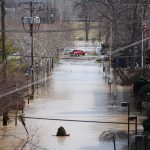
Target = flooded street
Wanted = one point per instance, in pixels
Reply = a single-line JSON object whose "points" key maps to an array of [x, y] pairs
{"points": [[79, 65], [76, 90]]}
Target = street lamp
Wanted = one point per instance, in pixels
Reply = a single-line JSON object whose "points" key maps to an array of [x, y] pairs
{"points": [[31, 24], [126, 104]]}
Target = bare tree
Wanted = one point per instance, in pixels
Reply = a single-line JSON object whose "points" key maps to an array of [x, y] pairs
{"points": [[85, 13], [12, 93], [112, 135], [46, 45]]}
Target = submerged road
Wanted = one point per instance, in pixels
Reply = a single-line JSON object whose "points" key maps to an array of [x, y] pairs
{"points": [[76, 90]]}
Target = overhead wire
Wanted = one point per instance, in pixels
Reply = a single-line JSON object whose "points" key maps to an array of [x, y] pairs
{"points": [[74, 120]]}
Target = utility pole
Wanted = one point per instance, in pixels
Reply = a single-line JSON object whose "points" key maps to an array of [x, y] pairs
{"points": [[31, 24], [31, 39], [142, 52], [110, 48], [3, 34], [4, 60]]}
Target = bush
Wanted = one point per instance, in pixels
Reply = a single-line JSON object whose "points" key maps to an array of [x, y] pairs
{"points": [[138, 84], [146, 124], [61, 131], [145, 89]]}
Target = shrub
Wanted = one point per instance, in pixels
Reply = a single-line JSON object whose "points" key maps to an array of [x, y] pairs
{"points": [[146, 124], [61, 131], [138, 84], [145, 89]]}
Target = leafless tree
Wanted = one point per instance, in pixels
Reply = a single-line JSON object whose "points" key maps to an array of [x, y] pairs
{"points": [[46, 45], [112, 135], [83, 7], [11, 92], [125, 17]]}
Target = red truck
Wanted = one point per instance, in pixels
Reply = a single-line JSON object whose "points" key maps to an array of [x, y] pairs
{"points": [[77, 53]]}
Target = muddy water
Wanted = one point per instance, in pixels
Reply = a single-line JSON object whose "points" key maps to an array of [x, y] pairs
{"points": [[77, 89]]}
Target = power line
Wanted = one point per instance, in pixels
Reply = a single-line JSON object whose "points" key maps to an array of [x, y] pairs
{"points": [[130, 45], [84, 121], [23, 87]]}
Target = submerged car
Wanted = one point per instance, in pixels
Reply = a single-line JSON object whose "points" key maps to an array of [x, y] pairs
{"points": [[77, 53]]}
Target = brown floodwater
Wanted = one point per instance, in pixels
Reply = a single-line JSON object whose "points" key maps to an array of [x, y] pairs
{"points": [[76, 90]]}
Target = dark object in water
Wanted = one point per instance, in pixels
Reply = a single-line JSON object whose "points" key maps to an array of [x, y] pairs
{"points": [[61, 132]]}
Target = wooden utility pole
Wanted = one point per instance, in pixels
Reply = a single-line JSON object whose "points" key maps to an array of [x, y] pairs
{"points": [[31, 25], [142, 52], [4, 57], [3, 32], [110, 49], [31, 40]]}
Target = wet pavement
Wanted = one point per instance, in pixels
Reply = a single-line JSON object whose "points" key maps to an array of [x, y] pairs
{"points": [[76, 90]]}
